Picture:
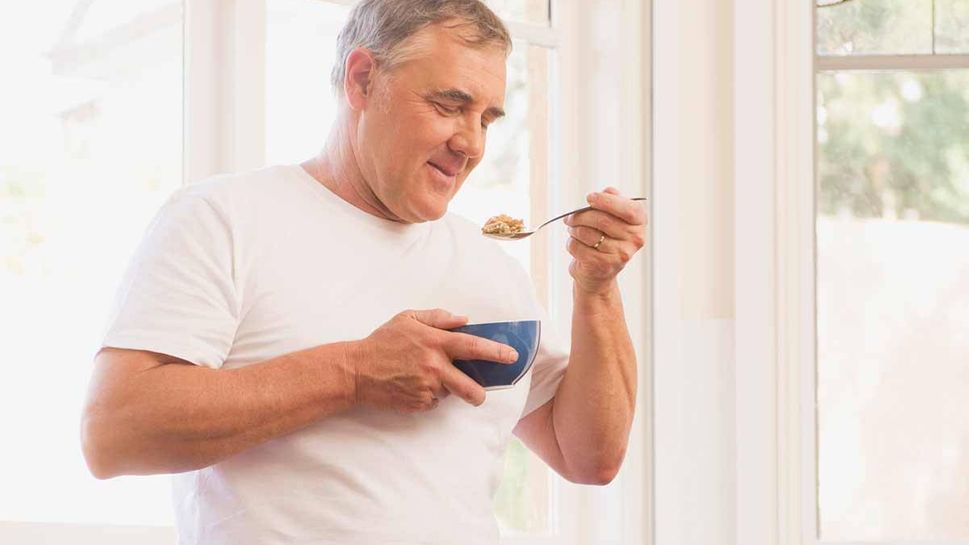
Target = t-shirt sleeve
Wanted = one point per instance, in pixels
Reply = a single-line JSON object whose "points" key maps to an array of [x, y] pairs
{"points": [[178, 296], [552, 357], [549, 368]]}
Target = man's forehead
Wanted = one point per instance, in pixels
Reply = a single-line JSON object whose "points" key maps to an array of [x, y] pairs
{"points": [[455, 32], [452, 68], [445, 49]]}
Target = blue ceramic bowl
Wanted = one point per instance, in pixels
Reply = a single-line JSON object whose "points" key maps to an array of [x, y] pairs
{"points": [[523, 336]]}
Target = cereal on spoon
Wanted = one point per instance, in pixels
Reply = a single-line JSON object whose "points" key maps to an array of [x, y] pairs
{"points": [[503, 224]]}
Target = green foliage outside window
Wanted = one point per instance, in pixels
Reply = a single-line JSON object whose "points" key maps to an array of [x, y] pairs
{"points": [[894, 145]]}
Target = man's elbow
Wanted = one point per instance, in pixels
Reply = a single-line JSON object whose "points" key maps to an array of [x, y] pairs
{"points": [[97, 452], [600, 475], [598, 471]]}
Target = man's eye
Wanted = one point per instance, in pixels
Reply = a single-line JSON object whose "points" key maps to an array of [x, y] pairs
{"points": [[446, 109]]}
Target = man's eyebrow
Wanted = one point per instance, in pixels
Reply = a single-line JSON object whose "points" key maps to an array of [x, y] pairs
{"points": [[458, 95]]}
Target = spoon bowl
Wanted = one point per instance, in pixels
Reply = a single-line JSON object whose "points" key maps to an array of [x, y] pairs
{"points": [[525, 234]]}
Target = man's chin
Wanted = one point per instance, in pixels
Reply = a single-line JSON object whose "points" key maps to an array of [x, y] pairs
{"points": [[433, 207], [432, 215], [423, 212]]}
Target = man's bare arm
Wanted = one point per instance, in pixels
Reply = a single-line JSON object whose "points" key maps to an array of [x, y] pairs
{"points": [[151, 413], [584, 431]]}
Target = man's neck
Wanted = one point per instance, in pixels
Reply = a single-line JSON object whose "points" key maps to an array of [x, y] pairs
{"points": [[337, 169]]}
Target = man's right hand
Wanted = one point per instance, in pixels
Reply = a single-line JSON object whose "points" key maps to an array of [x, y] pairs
{"points": [[406, 364]]}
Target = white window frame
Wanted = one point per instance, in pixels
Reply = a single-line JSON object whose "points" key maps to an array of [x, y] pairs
{"points": [[774, 272], [775, 211], [224, 131]]}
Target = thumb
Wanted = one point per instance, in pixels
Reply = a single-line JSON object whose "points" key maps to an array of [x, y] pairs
{"points": [[439, 318]]}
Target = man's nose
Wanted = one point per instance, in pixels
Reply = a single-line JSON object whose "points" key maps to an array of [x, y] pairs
{"points": [[469, 139]]}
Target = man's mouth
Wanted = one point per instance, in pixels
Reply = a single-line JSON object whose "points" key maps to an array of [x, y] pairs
{"points": [[448, 171]]}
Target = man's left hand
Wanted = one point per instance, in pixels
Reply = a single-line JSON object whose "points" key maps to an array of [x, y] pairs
{"points": [[604, 239]]}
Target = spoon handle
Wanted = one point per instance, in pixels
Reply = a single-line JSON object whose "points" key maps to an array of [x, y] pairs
{"points": [[579, 210]]}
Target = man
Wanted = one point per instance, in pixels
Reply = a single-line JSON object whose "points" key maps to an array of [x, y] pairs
{"points": [[280, 339]]}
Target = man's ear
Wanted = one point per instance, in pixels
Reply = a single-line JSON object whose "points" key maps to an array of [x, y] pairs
{"points": [[360, 70]]}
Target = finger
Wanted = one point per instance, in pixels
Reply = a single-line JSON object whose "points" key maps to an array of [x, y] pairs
{"points": [[628, 210], [589, 257], [587, 235], [463, 386], [471, 347], [602, 221], [441, 391], [438, 318], [611, 255], [612, 191]]}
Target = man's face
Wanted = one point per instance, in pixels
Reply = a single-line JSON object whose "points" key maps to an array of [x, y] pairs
{"points": [[424, 128]]}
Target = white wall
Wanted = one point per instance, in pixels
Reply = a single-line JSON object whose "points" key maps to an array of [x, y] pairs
{"points": [[692, 223], [732, 141]]}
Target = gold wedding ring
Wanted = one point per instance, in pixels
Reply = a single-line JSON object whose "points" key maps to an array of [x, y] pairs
{"points": [[596, 245]]}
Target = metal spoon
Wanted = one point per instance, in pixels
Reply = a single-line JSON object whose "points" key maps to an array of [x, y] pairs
{"points": [[526, 234]]}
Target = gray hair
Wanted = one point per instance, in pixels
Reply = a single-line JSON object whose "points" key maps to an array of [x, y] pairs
{"points": [[382, 26]]}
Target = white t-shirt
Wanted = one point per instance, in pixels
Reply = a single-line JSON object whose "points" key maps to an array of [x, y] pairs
{"points": [[242, 268]]}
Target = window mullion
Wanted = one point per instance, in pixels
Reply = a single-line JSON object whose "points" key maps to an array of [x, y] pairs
{"points": [[247, 84], [202, 133], [224, 86], [827, 63], [533, 34]]}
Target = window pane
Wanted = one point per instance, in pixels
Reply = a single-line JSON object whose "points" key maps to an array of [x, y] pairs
{"points": [[300, 109], [893, 311], [859, 27], [523, 11], [91, 139], [952, 26], [299, 101]]}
